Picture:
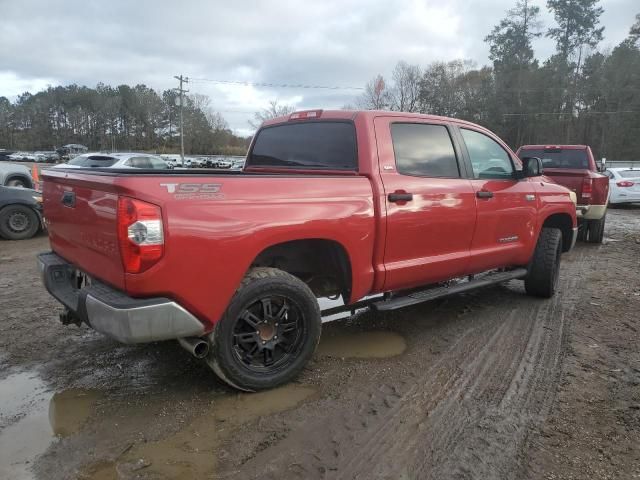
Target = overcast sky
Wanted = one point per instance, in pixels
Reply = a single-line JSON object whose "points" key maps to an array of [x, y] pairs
{"points": [[324, 42]]}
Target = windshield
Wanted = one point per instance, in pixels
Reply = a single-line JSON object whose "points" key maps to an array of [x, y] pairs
{"points": [[324, 145], [558, 158], [96, 161]]}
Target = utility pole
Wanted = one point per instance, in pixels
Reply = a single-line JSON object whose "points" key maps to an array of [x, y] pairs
{"points": [[182, 91]]}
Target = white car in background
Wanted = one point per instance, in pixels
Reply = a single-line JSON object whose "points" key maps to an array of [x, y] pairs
{"points": [[18, 156], [116, 160], [624, 185]]}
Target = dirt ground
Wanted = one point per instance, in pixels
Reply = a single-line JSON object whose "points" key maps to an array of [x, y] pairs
{"points": [[487, 385]]}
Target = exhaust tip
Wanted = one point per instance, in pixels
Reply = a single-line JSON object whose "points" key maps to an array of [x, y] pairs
{"points": [[201, 349], [197, 347]]}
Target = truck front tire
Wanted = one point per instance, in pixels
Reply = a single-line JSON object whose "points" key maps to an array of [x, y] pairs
{"points": [[544, 269], [268, 332]]}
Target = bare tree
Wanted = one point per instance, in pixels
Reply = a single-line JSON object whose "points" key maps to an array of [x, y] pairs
{"points": [[214, 119], [405, 93], [272, 111], [376, 95]]}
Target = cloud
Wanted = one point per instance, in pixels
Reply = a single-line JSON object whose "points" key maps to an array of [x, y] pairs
{"points": [[12, 85], [333, 42]]}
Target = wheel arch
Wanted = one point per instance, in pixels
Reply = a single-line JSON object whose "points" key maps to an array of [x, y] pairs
{"points": [[18, 176], [564, 222], [323, 264]]}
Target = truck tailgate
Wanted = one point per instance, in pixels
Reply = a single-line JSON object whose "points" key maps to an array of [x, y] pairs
{"points": [[80, 212], [576, 179], [570, 178]]}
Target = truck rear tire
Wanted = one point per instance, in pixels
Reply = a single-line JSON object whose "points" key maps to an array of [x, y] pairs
{"points": [[544, 269], [596, 230], [268, 332]]}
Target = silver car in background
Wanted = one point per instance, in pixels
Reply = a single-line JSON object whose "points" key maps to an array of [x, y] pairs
{"points": [[116, 160]]}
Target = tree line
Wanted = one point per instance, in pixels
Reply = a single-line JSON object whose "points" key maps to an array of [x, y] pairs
{"points": [[580, 95], [115, 118]]}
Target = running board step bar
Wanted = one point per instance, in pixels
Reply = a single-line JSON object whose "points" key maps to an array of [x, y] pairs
{"points": [[439, 292]]}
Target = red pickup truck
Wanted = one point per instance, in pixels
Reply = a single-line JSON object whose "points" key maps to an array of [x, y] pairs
{"points": [[574, 167], [382, 209]]}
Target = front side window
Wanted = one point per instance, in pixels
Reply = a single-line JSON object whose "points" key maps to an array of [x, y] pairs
{"points": [[138, 162], [424, 150], [488, 158], [154, 163], [158, 163]]}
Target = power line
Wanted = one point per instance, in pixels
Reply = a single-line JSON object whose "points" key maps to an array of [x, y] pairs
{"points": [[182, 91], [568, 113], [276, 85]]}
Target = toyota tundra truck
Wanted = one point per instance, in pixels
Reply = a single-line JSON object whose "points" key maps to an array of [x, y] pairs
{"points": [[574, 167], [379, 209]]}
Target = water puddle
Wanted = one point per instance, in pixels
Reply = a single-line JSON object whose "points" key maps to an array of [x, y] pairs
{"points": [[69, 409], [193, 451], [381, 344], [31, 419]]}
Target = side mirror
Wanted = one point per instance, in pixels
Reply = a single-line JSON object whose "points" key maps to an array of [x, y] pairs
{"points": [[531, 167]]}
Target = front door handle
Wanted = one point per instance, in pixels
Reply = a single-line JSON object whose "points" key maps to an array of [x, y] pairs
{"points": [[400, 197], [484, 194]]}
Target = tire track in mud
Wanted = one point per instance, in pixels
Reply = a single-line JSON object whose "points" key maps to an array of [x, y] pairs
{"points": [[467, 415]]}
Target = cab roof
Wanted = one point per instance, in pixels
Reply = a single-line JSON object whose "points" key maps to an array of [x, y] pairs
{"points": [[352, 114], [551, 146]]}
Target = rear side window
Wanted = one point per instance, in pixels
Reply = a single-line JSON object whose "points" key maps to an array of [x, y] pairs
{"points": [[93, 161], [424, 150], [558, 158], [318, 145]]}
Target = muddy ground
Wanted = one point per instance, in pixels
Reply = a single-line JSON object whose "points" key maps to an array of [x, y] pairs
{"points": [[491, 384]]}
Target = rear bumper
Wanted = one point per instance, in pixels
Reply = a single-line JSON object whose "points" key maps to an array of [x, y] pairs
{"points": [[112, 312], [591, 212]]}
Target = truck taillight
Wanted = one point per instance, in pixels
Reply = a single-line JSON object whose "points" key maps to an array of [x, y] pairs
{"points": [[587, 188], [140, 234], [625, 183]]}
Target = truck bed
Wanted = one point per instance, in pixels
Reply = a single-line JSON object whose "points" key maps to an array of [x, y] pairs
{"points": [[213, 225]]}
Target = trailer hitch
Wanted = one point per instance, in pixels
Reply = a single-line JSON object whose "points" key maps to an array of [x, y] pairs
{"points": [[67, 317]]}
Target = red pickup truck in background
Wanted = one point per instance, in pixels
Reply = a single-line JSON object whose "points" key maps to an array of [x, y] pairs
{"points": [[574, 167], [382, 209]]}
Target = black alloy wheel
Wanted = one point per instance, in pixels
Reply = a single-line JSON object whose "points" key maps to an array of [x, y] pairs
{"points": [[268, 333]]}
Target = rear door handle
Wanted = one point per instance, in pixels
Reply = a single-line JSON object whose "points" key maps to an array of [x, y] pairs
{"points": [[484, 194], [400, 197]]}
